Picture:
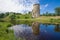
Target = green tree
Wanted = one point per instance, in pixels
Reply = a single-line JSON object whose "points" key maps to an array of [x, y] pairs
{"points": [[7, 13], [13, 18], [29, 12], [2, 15], [47, 14], [57, 11]]}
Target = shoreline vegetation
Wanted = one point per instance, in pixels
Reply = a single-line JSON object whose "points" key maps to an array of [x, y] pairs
{"points": [[42, 19]]}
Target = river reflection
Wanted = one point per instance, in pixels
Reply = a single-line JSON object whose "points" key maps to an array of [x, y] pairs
{"points": [[37, 31], [57, 28], [35, 28]]}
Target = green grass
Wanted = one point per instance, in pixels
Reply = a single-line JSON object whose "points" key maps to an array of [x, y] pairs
{"points": [[6, 34]]}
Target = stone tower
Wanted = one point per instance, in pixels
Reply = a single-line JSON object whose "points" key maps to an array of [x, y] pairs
{"points": [[36, 11]]}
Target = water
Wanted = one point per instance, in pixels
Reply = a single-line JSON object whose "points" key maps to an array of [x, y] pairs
{"points": [[37, 31]]}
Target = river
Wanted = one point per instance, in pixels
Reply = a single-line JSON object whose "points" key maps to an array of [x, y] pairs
{"points": [[37, 31]]}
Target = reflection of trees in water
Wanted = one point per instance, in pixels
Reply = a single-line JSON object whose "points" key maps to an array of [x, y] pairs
{"points": [[13, 22], [35, 28], [24, 22], [47, 24], [57, 28], [17, 22]]}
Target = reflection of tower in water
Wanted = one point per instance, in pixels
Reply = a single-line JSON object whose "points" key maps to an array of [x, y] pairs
{"points": [[35, 28], [57, 28]]}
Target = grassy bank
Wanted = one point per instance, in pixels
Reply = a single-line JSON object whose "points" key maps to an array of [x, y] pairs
{"points": [[44, 19], [5, 33]]}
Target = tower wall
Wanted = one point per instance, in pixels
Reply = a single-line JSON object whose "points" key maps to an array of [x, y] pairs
{"points": [[36, 10]]}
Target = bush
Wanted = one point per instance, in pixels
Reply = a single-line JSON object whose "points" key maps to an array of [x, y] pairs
{"points": [[9, 25]]}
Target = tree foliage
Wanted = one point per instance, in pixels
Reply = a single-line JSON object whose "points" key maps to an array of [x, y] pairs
{"points": [[2, 15], [57, 11]]}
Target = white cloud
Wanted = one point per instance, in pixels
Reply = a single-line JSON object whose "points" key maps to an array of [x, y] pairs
{"points": [[46, 5], [43, 6], [17, 5]]}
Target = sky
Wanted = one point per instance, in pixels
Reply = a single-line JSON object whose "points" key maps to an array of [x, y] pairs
{"points": [[23, 6], [50, 5]]}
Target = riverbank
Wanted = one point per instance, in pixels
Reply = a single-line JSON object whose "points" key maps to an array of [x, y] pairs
{"points": [[5, 23], [44, 19]]}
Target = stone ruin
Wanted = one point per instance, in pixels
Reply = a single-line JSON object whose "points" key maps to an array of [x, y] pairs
{"points": [[36, 11]]}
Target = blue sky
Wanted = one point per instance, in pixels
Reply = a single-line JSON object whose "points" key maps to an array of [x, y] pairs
{"points": [[52, 4], [23, 6]]}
